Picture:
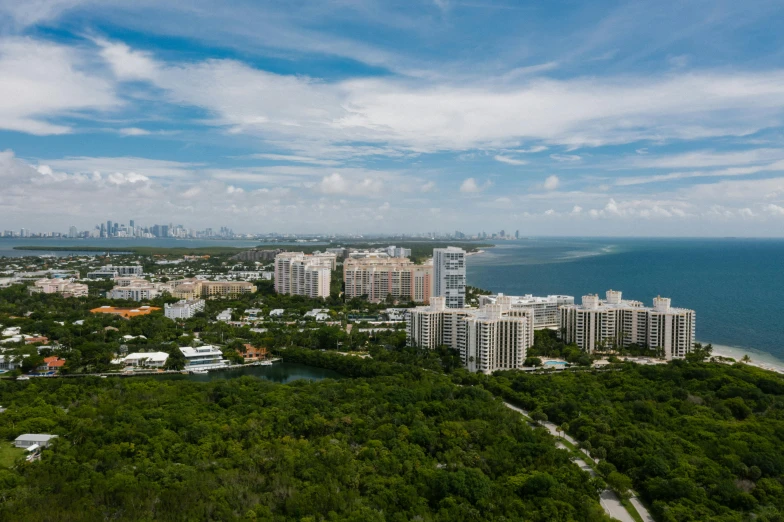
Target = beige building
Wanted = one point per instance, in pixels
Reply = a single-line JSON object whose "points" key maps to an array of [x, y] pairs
{"points": [[378, 278], [65, 287], [193, 288], [493, 337], [599, 324]]}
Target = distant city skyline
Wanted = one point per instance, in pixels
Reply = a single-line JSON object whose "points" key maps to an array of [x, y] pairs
{"points": [[590, 118]]}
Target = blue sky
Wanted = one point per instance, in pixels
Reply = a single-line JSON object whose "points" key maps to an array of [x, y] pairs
{"points": [[554, 118]]}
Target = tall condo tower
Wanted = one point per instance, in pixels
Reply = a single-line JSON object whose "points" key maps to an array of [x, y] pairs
{"points": [[449, 275]]}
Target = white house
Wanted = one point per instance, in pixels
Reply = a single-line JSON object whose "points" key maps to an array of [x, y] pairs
{"points": [[29, 439], [225, 315], [146, 359], [205, 357], [278, 312]]}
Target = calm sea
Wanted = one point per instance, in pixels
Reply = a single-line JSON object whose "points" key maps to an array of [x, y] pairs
{"points": [[736, 286]]}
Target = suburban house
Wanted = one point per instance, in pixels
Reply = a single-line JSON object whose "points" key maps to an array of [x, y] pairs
{"points": [[253, 354], [29, 439], [145, 359], [51, 365]]}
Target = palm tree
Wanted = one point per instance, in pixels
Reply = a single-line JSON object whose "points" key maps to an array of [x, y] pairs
{"points": [[746, 359]]}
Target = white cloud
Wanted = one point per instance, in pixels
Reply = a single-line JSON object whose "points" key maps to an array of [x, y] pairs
{"points": [[470, 186], [510, 161], [577, 209], [293, 158], [41, 82], [422, 116], [428, 186], [335, 183], [552, 182], [147, 167], [133, 131], [776, 210], [565, 158]]}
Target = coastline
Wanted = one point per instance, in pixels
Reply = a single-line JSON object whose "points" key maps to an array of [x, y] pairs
{"points": [[758, 358]]}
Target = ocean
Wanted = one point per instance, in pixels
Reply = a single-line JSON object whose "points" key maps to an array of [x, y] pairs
{"points": [[734, 285]]}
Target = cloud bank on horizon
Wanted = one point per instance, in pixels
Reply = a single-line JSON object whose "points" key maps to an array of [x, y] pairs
{"points": [[606, 118]]}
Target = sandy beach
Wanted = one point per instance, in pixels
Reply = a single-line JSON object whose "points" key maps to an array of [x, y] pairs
{"points": [[758, 358]]}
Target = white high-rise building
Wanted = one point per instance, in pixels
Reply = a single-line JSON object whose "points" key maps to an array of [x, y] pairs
{"points": [[604, 324], [545, 309], [299, 274], [449, 275], [493, 337]]}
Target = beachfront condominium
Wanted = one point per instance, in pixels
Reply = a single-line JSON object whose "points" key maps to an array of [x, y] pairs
{"points": [[381, 278], [545, 309], [601, 324], [297, 273], [449, 275], [492, 337]]}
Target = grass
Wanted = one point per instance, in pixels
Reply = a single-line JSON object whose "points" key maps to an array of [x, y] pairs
{"points": [[625, 502], [8, 454]]}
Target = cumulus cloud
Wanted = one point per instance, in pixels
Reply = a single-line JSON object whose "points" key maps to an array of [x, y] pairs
{"points": [[776, 210], [470, 186], [552, 182], [335, 183]]}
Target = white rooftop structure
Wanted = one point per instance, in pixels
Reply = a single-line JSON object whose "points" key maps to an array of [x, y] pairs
{"points": [[146, 359], [29, 439], [205, 357], [277, 312]]}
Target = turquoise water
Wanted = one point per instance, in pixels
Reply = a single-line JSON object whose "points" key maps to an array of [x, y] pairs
{"points": [[736, 286], [279, 372]]}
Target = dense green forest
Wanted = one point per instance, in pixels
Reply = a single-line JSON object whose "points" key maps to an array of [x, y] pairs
{"points": [[408, 446], [700, 441]]}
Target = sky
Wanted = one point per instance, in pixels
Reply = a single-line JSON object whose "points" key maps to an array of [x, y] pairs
{"points": [[601, 118]]}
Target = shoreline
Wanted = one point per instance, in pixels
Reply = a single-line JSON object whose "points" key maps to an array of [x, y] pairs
{"points": [[759, 359]]}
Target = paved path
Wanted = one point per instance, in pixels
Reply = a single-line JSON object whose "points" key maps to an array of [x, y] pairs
{"points": [[608, 499]]}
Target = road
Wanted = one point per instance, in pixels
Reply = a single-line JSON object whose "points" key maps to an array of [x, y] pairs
{"points": [[608, 499]]}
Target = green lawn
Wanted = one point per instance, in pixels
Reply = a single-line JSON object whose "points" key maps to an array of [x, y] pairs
{"points": [[9, 454]]}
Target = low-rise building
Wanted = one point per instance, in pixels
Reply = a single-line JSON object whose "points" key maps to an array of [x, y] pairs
{"points": [[30, 439], [253, 353], [203, 357], [51, 365], [112, 271], [225, 315], [183, 309], [145, 360], [125, 313], [65, 287], [138, 290]]}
